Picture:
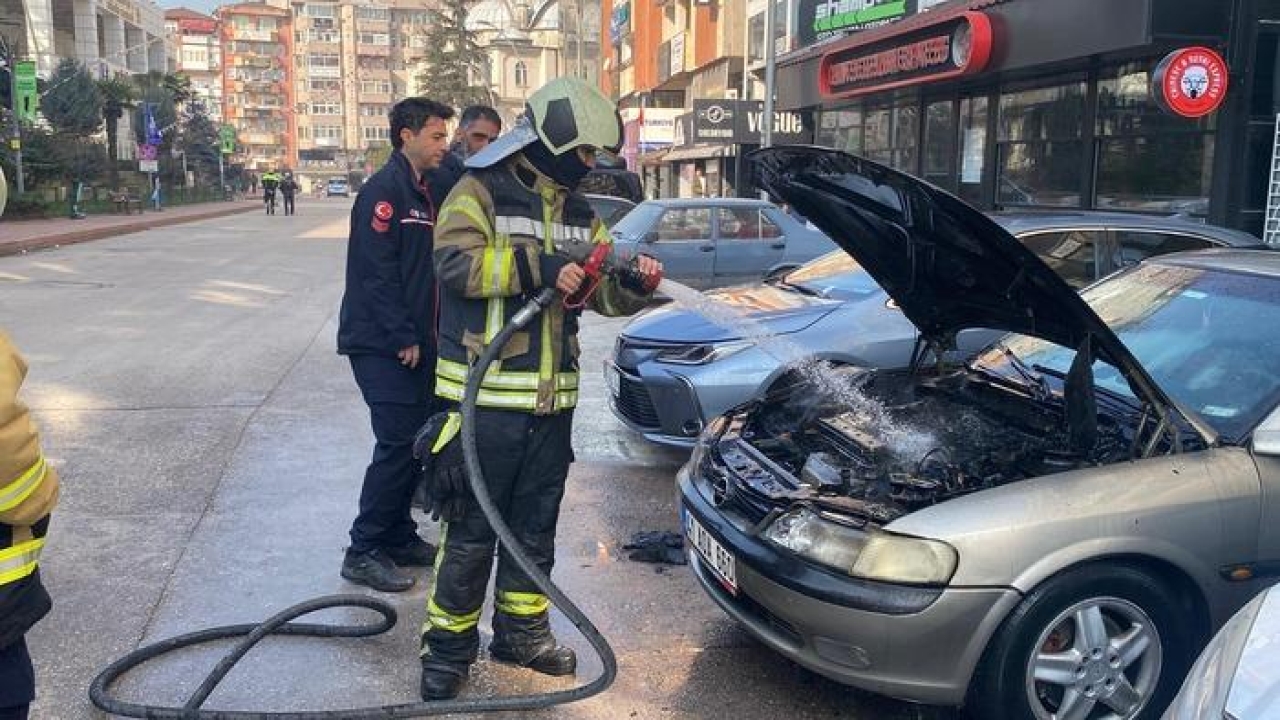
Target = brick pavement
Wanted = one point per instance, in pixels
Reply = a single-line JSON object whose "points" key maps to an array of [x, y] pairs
{"points": [[18, 236]]}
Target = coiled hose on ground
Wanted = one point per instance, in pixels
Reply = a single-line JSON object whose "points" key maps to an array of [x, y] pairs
{"points": [[99, 689]]}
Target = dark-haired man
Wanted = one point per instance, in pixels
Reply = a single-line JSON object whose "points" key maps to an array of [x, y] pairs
{"points": [[387, 330]]}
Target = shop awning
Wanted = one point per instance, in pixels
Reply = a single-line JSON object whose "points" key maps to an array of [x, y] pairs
{"points": [[698, 152], [657, 157]]}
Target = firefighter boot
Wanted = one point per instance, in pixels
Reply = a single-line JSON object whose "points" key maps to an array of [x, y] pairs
{"points": [[441, 680], [528, 642]]}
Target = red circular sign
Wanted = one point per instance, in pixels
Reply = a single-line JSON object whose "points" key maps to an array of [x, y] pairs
{"points": [[383, 210], [1191, 82]]}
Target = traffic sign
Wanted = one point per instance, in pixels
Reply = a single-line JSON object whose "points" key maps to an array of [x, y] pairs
{"points": [[227, 139], [25, 97]]}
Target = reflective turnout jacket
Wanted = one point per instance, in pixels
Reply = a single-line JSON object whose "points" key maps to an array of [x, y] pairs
{"points": [[28, 492], [504, 233]]}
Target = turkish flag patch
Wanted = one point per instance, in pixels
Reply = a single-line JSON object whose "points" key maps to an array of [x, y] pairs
{"points": [[380, 225], [383, 211]]}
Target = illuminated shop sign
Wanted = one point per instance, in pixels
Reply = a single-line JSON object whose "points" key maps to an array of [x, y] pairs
{"points": [[956, 46]]}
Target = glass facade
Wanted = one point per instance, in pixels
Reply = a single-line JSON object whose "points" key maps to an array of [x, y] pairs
{"points": [[1095, 140]]}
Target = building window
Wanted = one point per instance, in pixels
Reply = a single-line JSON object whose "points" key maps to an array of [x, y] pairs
{"points": [[316, 10], [841, 130], [371, 38], [1040, 147], [522, 74], [376, 133], [1149, 159], [374, 110], [326, 108], [375, 87], [372, 13]]}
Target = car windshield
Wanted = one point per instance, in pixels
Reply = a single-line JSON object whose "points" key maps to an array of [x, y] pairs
{"points": [[637, 222], [833, 274], [1203, 335]]}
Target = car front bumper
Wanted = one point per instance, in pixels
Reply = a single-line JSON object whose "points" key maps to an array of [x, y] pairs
{"points": [[670, 403], [912, 643]]}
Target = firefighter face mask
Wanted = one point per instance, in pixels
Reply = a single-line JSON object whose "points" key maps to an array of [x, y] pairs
{"points": [[567, 168]]}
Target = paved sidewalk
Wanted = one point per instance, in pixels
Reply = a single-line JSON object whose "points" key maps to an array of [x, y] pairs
{"points": [[17, 236]]}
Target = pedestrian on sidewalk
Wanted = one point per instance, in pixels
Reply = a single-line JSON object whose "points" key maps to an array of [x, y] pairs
{"points": [[28, 492], [387, 330]]}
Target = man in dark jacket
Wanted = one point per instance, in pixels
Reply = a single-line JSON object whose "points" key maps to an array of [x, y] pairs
{"points": [[288, 189], [387, 329], [28, 492]]}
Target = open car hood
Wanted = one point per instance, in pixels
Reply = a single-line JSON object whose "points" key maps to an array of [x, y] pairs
{"points": [[948, 266]]}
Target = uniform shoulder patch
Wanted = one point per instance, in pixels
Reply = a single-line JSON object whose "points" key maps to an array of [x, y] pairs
{"points": [[383, 210]]}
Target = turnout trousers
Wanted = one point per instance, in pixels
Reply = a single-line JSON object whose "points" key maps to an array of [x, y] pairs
{"points": [[399, 403], [525, 459], [17, 681]]}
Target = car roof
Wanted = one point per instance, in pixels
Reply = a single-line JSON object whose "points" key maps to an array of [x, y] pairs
{"points": [[1232, 260], [1017, 222], [719, 202], [608, 198]]}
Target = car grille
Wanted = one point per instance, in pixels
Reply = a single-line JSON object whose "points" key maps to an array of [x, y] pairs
{"points": [[635, 404], [744, 603]]}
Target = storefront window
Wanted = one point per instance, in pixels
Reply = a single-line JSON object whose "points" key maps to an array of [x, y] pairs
{"points": [[1149, 159], [1041, 154], [841, 130], [906, 133], [939, 143], [973, 148], [877, 134]]}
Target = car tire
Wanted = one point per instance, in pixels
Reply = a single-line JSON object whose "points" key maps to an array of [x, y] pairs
{"points": [[1137, 645]]}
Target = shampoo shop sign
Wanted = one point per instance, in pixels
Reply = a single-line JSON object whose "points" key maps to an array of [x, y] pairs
{"points": [[822, 19]]}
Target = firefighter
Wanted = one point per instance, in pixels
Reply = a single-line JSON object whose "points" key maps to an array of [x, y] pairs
{"points": [[270, 183], [513, 225], [28, 492], [387, 330]]}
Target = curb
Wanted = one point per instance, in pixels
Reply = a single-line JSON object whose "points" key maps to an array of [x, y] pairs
{"points": [[17, 247]]}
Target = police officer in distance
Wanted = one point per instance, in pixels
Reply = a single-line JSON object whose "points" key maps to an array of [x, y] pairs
{"points": [[387, 331]]}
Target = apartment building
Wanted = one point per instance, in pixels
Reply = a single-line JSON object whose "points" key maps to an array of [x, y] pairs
{"points": [[257, 83], [351, 62], [196, 47]]}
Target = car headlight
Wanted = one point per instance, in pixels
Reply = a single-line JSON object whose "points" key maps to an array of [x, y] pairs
{"points": [[710, 434], [702, 354], [870, 554]]}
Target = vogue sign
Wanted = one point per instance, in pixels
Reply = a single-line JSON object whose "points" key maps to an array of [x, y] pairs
{"points": [[950, 48]]}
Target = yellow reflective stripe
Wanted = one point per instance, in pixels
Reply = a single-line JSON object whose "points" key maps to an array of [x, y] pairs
{"points": [[14, 493], [512, 400], [522, 604], [503, 380], [470, 207], [493, 321], [602, 235], [20, 560], [438, 617], [546, 365], [451, 428]]}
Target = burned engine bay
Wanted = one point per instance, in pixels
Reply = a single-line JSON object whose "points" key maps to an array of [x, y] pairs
{"points": [[889, 443]]}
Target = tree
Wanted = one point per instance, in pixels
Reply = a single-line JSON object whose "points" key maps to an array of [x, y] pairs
{"points": [[199, 140], [72, 103], [452, 58], [377, 156], [118, 95]]}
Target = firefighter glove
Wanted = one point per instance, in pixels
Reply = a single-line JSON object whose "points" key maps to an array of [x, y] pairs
{"points": [[439, 449]]}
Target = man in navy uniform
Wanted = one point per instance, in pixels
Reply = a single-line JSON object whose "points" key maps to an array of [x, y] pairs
{"points": [[387, 330]]}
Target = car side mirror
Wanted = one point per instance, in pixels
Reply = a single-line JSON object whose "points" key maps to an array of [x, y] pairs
{"points": [[651, 236], [1266, 439]]}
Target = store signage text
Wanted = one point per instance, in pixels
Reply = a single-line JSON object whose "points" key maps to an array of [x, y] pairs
{"points": [[823, 19], [1191, 82], [949, 48], [739, 122]]}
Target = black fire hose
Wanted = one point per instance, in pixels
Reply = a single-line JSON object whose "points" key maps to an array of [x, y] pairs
{"points": [[280, 625]]}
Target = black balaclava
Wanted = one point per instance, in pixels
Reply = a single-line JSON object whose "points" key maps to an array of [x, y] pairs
{"points": [[565, 168]]}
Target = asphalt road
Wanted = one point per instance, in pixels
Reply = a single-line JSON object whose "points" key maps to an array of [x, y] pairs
{"points": [[211, 445]]}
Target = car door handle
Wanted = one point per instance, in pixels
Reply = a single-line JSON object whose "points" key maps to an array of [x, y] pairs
{"points": [[778, 245], [707, 248]]}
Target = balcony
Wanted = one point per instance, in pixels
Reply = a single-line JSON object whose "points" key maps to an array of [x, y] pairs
{"points": [[321, 71], [255, 35], [260, 139], [373, 50]]}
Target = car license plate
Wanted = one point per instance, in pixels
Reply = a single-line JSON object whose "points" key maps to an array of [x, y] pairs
{"points": [[720, 561], [613, 378]]}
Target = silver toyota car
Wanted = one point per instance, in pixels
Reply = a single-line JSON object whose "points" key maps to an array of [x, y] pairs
{"points": [[1051, 530]]}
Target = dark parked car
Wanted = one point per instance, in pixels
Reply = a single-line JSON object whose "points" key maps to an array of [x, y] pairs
{"points": [[712, 242], [673, 368], [1052, 530]]}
